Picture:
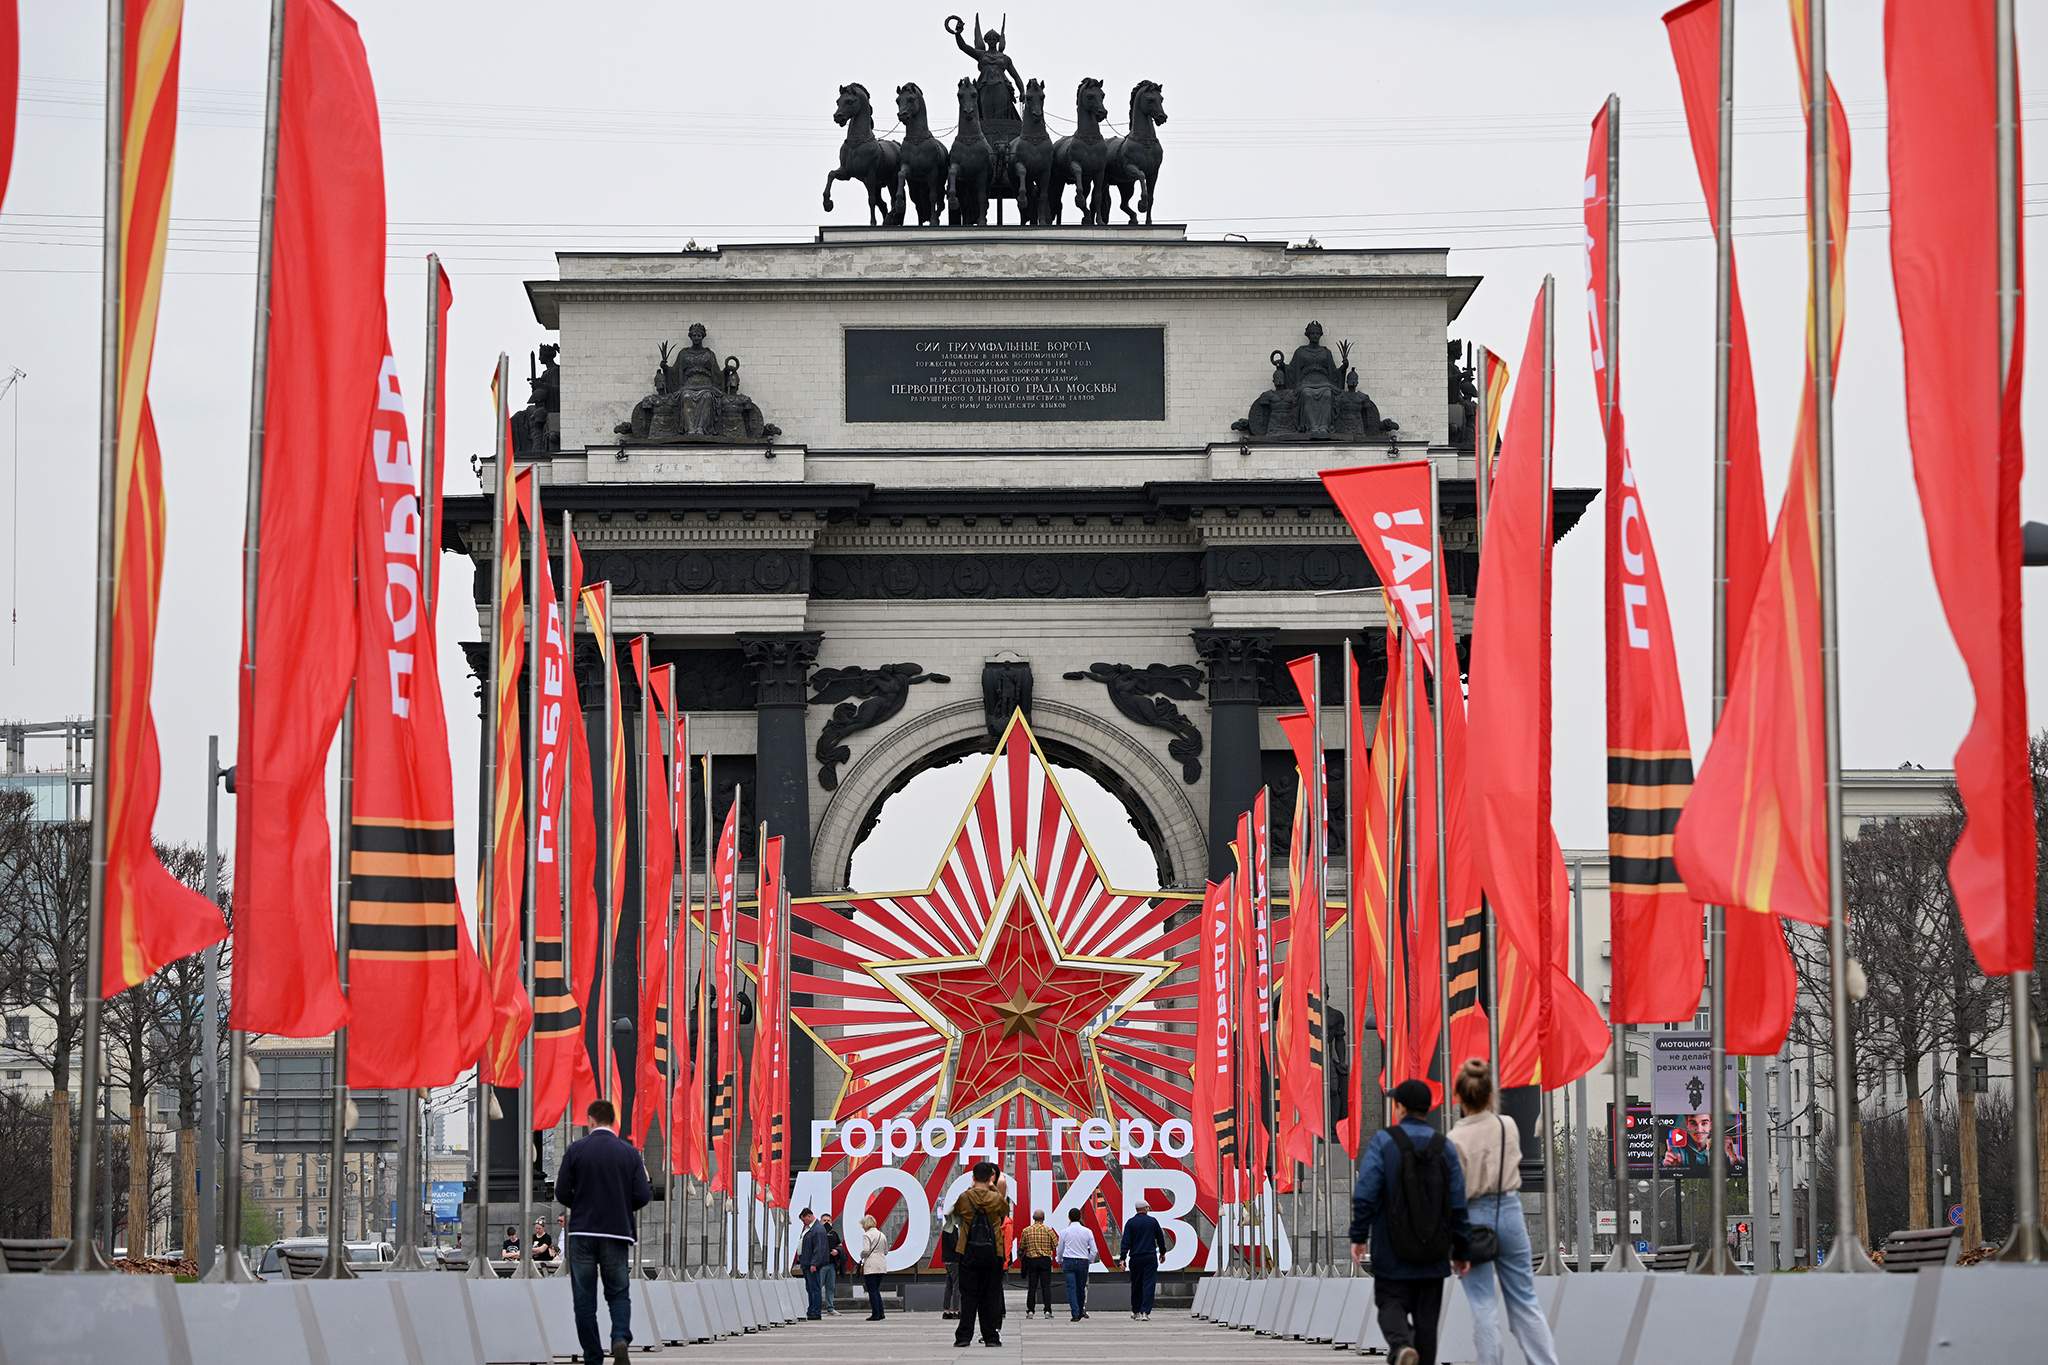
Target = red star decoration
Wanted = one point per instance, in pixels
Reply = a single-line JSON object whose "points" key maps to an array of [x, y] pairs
{"points": [[1021, 1014]]}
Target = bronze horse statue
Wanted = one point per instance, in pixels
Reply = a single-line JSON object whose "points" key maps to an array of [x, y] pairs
{"points": [[1027, 162], [970, 166], [1081, 158], [921, 163], [1136, 156], [866, 158]]}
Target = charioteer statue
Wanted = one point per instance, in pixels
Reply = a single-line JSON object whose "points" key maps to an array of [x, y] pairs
{"points": [[1315, 397], [696, 398]]}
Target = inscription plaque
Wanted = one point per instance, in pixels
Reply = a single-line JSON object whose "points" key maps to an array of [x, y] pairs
{"points": [[1005, 374]]}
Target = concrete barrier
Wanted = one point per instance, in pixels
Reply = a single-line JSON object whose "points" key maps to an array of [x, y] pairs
{"points": [[252, 1323], [689, 1299], [1600, 1316], [1331, 1294], [133, 1319], [720, 1306], [1355, 1321], [443, 1322], [1273, 1307], [1697, 1320], [1246, 1315], [508, 1322], [362, 1320]]}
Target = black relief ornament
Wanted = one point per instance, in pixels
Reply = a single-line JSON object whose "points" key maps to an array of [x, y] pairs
{"points": [[1146, 695], [866, 698], [1005, 690]]}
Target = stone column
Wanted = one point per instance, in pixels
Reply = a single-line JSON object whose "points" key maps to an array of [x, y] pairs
{"points": [[1233, 659], [782, 797]]}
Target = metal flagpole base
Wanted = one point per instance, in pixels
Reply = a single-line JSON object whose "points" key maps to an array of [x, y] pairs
{"points": [[1555, 1264], [82, 1257], [229, 1268], [2017, 1247], [480, 1267], [1715, 1260], [1624, 1260], [334, 1269], [1847, 1257]]}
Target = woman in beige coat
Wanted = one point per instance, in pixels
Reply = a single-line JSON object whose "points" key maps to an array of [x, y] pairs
{"points": [[1490, 1154], [874, 1252]]}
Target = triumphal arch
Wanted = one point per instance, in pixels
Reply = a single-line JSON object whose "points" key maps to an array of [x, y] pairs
{"points": [[878, 493]]}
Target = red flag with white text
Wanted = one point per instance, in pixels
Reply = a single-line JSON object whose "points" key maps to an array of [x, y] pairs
{"points": [[1214, 1102], [657, 894], [725, 1094], [557, 1019], [325, 350], [582, 846]]}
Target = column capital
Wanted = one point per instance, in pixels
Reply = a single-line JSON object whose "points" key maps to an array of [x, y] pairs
{"points": [[781, 661], [1233, 658]]}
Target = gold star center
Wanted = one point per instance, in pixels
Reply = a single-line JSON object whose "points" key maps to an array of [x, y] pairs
{"points": [[1020, 1014]]}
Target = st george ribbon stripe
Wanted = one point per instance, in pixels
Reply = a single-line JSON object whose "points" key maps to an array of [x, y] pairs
{"points": [[1646, 794], [396, 838], [1649, 770]]}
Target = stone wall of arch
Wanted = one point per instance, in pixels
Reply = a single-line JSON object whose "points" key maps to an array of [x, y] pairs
{"points": [[917, 741]]}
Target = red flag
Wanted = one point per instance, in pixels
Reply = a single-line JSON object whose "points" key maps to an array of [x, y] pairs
{"points": [[1940, 67], [1301, 995], [766, 1107], [1493, 378], [724, 1108], [1695, 33], [151, 917], [10, 75], [412, 968], [686, 1108], [1372, 834], [511, 1010], [692, 1108], [558, 1021], [1469, 1032], [1214, 1098], [1754, 834], [657, 894], [597, 608], [583, 848], [1659, 969], [1761, 990], [326, 348], [1520, 864], [1387, 507], [1251, 1063]]}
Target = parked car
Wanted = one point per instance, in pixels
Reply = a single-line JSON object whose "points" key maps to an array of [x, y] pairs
{"points": [[362, 1256]]}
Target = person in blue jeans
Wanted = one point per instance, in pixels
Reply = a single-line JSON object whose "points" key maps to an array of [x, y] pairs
{"points": [[1408, 1207], [1077, 1253], [1490, 1150], [1144, 1241], [603, 1183], [812, 1251]]}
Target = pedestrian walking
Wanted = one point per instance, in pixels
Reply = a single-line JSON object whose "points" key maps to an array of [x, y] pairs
{"points": [[1036, 1249], [980, 1211], [602, 1182], [1409, 1204], [1490, 1153], [811, 1251], [835, 1261], [949, 1233], [1144, 1242], [1077, 1253], [874, 1255]]}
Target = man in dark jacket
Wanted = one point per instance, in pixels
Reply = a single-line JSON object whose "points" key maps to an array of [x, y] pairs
{"points": [[1410, 1193], [980, 1253], [1144, 1241], [603, 1182], [813, 1249]]}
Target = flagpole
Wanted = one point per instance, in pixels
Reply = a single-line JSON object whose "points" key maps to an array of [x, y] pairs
{"points": [[731, 985], [2025, 1243], [1552, 1263], [430, 496], [536, 561], [565, 850], [671, 1231], [1848, 1255], [706, 1039], [230, 1268], [480, 1266], [1624, 1257], [606, 929], [1716, 1260], [647, 708], [82, 1255], [679, 1027], [1354, 813], [1396, 650], [760, 1023], [335, 1267], [1437, 627], [1482, 488]]}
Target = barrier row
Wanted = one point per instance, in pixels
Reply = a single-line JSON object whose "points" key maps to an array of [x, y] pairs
{"points": [[432, 1318], [1985, 1312]]}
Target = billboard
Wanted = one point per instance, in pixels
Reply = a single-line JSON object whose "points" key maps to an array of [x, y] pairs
{"points": [[1680, 1065], [446, 1197], [1677, 1145]]}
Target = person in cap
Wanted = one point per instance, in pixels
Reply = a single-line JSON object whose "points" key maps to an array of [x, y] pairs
{"points": [[1409, 1208], [1144, 1241]]}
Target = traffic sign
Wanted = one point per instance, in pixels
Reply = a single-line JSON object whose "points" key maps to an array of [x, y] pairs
{"points": [[1642, 1246], [1955, 1215]]}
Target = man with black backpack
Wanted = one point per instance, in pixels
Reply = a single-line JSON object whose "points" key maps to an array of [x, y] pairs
{"points": [[979, 1253], [1409, 1203]]}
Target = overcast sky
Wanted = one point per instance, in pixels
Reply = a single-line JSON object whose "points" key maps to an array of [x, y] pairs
{"points": [[516, 129]]}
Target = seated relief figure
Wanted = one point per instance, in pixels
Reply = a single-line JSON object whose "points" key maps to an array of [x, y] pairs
{"points": [[696, 398], [1315, 397]]}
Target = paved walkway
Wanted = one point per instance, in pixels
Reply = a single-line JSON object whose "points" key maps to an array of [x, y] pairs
{"points": [[1106, 1339]]}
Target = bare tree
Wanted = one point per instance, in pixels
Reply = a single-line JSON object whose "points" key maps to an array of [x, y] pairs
{"points": [[42, 942]]}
